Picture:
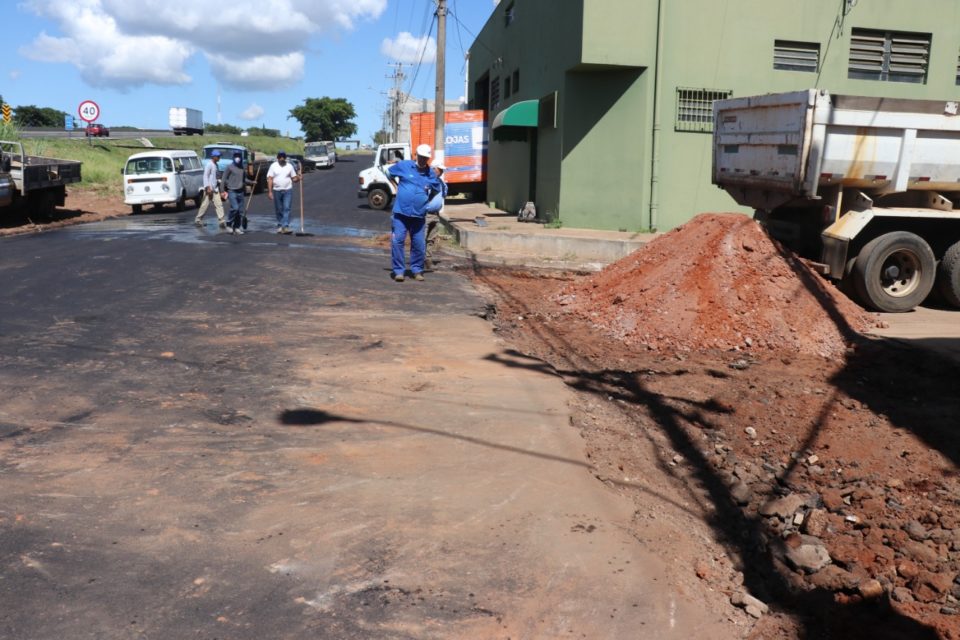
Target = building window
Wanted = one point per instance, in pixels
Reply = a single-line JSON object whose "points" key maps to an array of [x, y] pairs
{"points": [[516, 80], [893, 56], [494, 94], [508, 15], [796, 56], [506, 87], [958, 70], [695, 108]]}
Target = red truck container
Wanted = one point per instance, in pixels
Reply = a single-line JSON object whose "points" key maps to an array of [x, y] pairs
{"points": [[465, 148]]}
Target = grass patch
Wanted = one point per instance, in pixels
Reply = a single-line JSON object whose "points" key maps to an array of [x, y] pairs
{"points": [[103, 158]]}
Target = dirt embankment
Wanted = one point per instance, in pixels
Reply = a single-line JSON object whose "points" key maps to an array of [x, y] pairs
{"points": [[717, 282], [82, 206], [825, 462]]}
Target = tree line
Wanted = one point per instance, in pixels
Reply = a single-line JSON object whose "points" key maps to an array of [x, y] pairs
{"points": [[320, 119]]}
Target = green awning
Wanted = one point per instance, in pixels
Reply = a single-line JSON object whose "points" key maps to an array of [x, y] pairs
{"points": [[521, 114]]}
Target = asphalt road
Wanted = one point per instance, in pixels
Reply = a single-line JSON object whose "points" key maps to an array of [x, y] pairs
{"points": [[79, 133], [214, 436]]}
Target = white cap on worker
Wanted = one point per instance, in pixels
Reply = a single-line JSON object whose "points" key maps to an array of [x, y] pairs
{"points": [[424, 151], [439, 165]]}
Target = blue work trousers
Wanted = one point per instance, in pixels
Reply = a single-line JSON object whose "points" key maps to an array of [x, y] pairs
{"points": [[281, 206], [235, 218], [416, 227]]}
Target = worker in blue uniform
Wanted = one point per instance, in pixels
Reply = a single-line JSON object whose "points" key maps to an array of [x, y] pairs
{"points": [[416, 184]]}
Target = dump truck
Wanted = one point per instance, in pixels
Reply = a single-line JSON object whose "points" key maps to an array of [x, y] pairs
{"points": [[465, 157], [33, 184], [185, 121], [866, 188]]}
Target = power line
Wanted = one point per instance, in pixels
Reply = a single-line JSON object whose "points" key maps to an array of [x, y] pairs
{"points": [[476, 38], [423, 50], [462, 51]]}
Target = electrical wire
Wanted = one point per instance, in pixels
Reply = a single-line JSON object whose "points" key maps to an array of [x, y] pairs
{"points": [[423, 51], [476, 38]]}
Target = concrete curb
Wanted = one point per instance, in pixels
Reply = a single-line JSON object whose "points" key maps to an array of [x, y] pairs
{"points": [[503, 241]]}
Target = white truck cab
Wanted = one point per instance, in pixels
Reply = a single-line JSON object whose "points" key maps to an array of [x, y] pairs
{"points": [[374, 184]]}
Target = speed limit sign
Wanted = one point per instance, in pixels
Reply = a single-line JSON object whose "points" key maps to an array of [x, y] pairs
{"points": [[89, 111]]}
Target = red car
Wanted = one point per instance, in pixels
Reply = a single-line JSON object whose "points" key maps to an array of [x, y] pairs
{"points": [[97, 130]]}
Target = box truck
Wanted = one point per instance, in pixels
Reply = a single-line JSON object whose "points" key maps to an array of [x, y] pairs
{"points": [[465, 156], [186, 121]]}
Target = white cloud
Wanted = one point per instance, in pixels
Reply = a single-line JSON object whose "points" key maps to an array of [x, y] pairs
{"points": [[14, 74], [252, 44], [408, 48], [253, 112], [259, 72]]}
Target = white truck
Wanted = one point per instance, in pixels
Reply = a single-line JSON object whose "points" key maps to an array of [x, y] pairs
{"points": [[867, 188], [186, 121], [374, 184]]}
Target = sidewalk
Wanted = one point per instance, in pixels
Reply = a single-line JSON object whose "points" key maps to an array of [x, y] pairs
{"points": [[499, 239]]}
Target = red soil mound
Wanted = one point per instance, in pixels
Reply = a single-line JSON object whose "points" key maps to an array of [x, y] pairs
{"points": [[717, 282]]}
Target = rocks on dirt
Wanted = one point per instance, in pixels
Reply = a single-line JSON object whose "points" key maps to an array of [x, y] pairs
{"points": [[698, 288], [748, 603]]}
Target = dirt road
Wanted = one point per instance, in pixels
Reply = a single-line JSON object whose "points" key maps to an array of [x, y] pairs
{"points": [[212, 436]]}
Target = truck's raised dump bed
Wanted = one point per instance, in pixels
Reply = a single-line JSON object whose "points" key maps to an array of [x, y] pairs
{"points": [[869, 186]]}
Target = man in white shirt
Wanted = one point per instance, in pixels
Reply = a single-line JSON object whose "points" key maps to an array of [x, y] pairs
{"points": [[280, 179]]}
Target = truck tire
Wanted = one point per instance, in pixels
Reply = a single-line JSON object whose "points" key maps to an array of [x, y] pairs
{"points": [[137, 209], [894, 272], [378, 198], [182, 201], [948, 276]]}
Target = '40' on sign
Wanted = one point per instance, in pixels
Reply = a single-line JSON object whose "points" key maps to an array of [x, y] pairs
{"points": [[89, 111]]}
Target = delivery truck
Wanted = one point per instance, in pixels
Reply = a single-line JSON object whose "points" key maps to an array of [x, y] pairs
{"points": [[466, 136], [867, 188], [186, 121], [33, 184]]}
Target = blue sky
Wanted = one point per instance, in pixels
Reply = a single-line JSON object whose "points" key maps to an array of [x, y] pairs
{"points": [[138, 58]]}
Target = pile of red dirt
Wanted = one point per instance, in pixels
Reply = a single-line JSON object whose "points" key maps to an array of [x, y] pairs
{"points": [[717, 282]]}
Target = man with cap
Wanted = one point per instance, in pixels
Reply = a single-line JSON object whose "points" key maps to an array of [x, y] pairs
{"points": [[234, 181], [416, 183], [280, 178], [434, 207], [210, 191]]}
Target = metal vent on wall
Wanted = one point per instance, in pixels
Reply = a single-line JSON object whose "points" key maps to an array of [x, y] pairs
{"points": [[888, 55], [789, 55], [695, 108]]}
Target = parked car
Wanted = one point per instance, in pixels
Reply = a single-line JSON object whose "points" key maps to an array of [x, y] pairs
{"points": [[97, 130], [159, 177]]}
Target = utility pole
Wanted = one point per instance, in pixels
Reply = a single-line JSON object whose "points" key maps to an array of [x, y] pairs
{"points": [[439, 110], [397, 100]]}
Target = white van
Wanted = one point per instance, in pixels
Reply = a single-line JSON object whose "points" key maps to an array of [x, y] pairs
{"points": [[323, 155], [161, 177]]}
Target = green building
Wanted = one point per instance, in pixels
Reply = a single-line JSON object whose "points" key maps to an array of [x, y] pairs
{"points": [[601, 109]]}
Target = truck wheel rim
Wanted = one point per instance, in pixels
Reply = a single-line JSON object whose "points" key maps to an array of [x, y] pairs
{"points": [[906, 265]]}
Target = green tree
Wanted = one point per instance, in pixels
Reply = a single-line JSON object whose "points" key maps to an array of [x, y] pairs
{"points": [[381, 137], [33, 116], [325, 118]]}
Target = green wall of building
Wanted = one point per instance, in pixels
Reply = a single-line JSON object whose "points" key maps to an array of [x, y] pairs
{"points": [[594, 169]]}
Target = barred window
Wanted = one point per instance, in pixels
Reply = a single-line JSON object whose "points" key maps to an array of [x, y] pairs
{"points": [[891, 56], [796, 56], [695, 108], [494, 94], [958, 70]]}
